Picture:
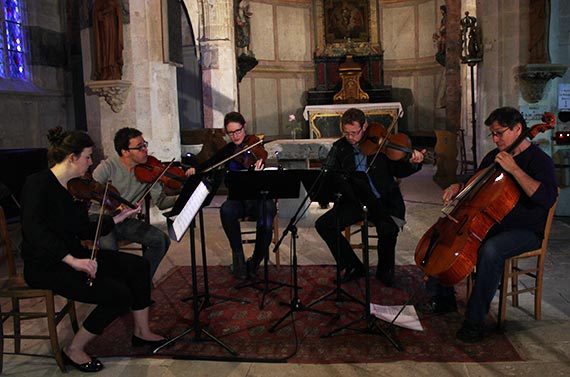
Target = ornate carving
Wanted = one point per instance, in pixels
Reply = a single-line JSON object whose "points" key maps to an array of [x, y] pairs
{"points": [[114, 91], [351, 92], [533, 79]]}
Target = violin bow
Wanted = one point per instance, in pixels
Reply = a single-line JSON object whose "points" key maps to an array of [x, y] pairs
{"points": [[95, 248], [232, 156], [384, 140]]}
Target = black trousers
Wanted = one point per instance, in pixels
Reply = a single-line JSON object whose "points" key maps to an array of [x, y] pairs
{"points": [[330, 227], [122, 284]]}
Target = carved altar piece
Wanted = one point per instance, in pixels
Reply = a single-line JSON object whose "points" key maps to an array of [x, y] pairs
{"points": [[350, 92], [324, 120], [114, 91], [533, 79]]}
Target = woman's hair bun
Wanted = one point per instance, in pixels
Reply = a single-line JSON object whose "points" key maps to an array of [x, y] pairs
{"points": [[55, 136]]}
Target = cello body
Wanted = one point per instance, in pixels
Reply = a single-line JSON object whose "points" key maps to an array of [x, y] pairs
{"points": [[448, 250]]}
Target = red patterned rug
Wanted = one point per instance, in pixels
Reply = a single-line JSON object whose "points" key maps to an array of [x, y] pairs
{"points": [[244, 327]]}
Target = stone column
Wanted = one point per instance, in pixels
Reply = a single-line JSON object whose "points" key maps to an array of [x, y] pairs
{"points": [[217, 49]]}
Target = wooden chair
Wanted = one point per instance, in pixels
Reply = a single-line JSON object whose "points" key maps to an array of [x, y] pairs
{"points": [[16, 290], [512, 272], [348, 233], [248, 233]]}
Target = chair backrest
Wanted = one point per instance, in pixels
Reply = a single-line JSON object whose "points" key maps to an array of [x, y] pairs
{"points": [[5, 238], [548, 225]]}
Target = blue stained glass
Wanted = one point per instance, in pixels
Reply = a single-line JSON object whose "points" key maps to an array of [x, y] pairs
{"points": [[14, 36], [12, 10], [16, 62]]}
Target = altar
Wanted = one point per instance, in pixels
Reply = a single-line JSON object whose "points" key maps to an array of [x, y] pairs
{"points": [[324, 120]]}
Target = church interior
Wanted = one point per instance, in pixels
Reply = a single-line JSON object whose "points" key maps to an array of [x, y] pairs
{"points": [[430, 69]]}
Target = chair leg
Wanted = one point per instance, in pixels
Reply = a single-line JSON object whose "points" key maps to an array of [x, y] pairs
{"points": [[503, 294], [17, 328], [276, 239], [52, 328], [1, 340], [514, 282], [538, 288]]}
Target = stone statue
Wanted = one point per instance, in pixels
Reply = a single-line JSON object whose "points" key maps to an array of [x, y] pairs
{"points": [[439, 38], [539, 25], [243, 28], [108, 39]]}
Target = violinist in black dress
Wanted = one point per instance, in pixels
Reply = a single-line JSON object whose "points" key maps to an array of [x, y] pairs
{"points": [[232, 211], [53, 226], [379, 192]]}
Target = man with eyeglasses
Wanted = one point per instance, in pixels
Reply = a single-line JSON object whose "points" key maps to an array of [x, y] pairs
{"points": [[232, 211], [380, 193], [520, 230], [132, 150]]}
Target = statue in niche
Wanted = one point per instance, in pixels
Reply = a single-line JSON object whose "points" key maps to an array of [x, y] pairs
{"points": [[108, 39], [243, 28], [471, 40], [439, 37], [539, 25]]}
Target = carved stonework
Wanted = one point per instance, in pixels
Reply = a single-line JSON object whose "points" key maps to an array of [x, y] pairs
{"points": [[533, 79], [114, 91]]}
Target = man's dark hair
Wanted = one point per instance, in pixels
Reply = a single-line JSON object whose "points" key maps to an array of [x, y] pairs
{"points": [[123, 137], [506, 117], [353, 115], [234, 116]]}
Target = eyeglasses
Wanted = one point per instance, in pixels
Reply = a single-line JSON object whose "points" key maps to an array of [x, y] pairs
{"points": [[139, 147], [498, 134], [352, 134], [234, 132]]}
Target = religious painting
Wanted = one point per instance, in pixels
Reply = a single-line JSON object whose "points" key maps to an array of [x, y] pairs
{"points": [[346, 19]]}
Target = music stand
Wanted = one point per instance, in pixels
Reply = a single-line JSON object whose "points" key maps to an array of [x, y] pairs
{"points": [[371, 325], [263, 185], [201, 195], [331, 186]]}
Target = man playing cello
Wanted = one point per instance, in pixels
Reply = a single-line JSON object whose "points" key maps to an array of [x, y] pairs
{"points": [[520, 230]]}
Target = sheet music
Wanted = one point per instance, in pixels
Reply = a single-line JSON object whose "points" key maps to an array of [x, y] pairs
{"points": [[190, 210], [408, 318]]}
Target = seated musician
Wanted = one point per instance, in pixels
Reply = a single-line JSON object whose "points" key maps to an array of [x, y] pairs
{"points": [[53, 225], [520, 230], [383, 199], [232, 211], [132, 149]]}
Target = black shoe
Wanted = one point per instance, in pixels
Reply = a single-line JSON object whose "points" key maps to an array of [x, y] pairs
{"points": [[140, 342], [89, 367], [252, 265], [352, 273], [438, 305], [386, 277], [471, 332]]}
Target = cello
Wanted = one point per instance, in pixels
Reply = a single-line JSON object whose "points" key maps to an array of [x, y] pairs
{"points": [[448, 250]]}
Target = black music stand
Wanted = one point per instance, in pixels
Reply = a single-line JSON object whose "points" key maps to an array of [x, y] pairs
{"points": [[371, 325], [295, 305], [263, 185], [187, 196], [331, 186]]}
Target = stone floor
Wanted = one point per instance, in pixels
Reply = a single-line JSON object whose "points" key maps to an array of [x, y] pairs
{"points": [[545, 344]]}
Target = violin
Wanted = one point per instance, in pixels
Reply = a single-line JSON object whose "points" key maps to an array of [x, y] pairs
{"points": [[172, 177], [377, 139], [252, 154], [86, 188]]}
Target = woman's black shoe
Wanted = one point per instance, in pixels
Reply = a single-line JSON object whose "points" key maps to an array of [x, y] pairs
{"points": [[139, 342], [90, 367]]}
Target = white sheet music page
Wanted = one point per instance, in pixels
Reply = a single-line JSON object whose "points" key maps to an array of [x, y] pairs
{"points": [[408, 318], [191, 208]]}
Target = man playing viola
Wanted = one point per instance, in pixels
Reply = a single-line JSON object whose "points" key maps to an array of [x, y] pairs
{"points": [[380, 193], [132, 150], [234, 210], [520, 230]]}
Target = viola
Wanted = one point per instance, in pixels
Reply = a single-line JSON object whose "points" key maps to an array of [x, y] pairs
{"points": [[448, 250], [172, 177], [254, 152], [86, 188]]}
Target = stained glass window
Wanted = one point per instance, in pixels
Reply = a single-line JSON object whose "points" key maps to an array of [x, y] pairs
{"points": [[12, 47]]}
